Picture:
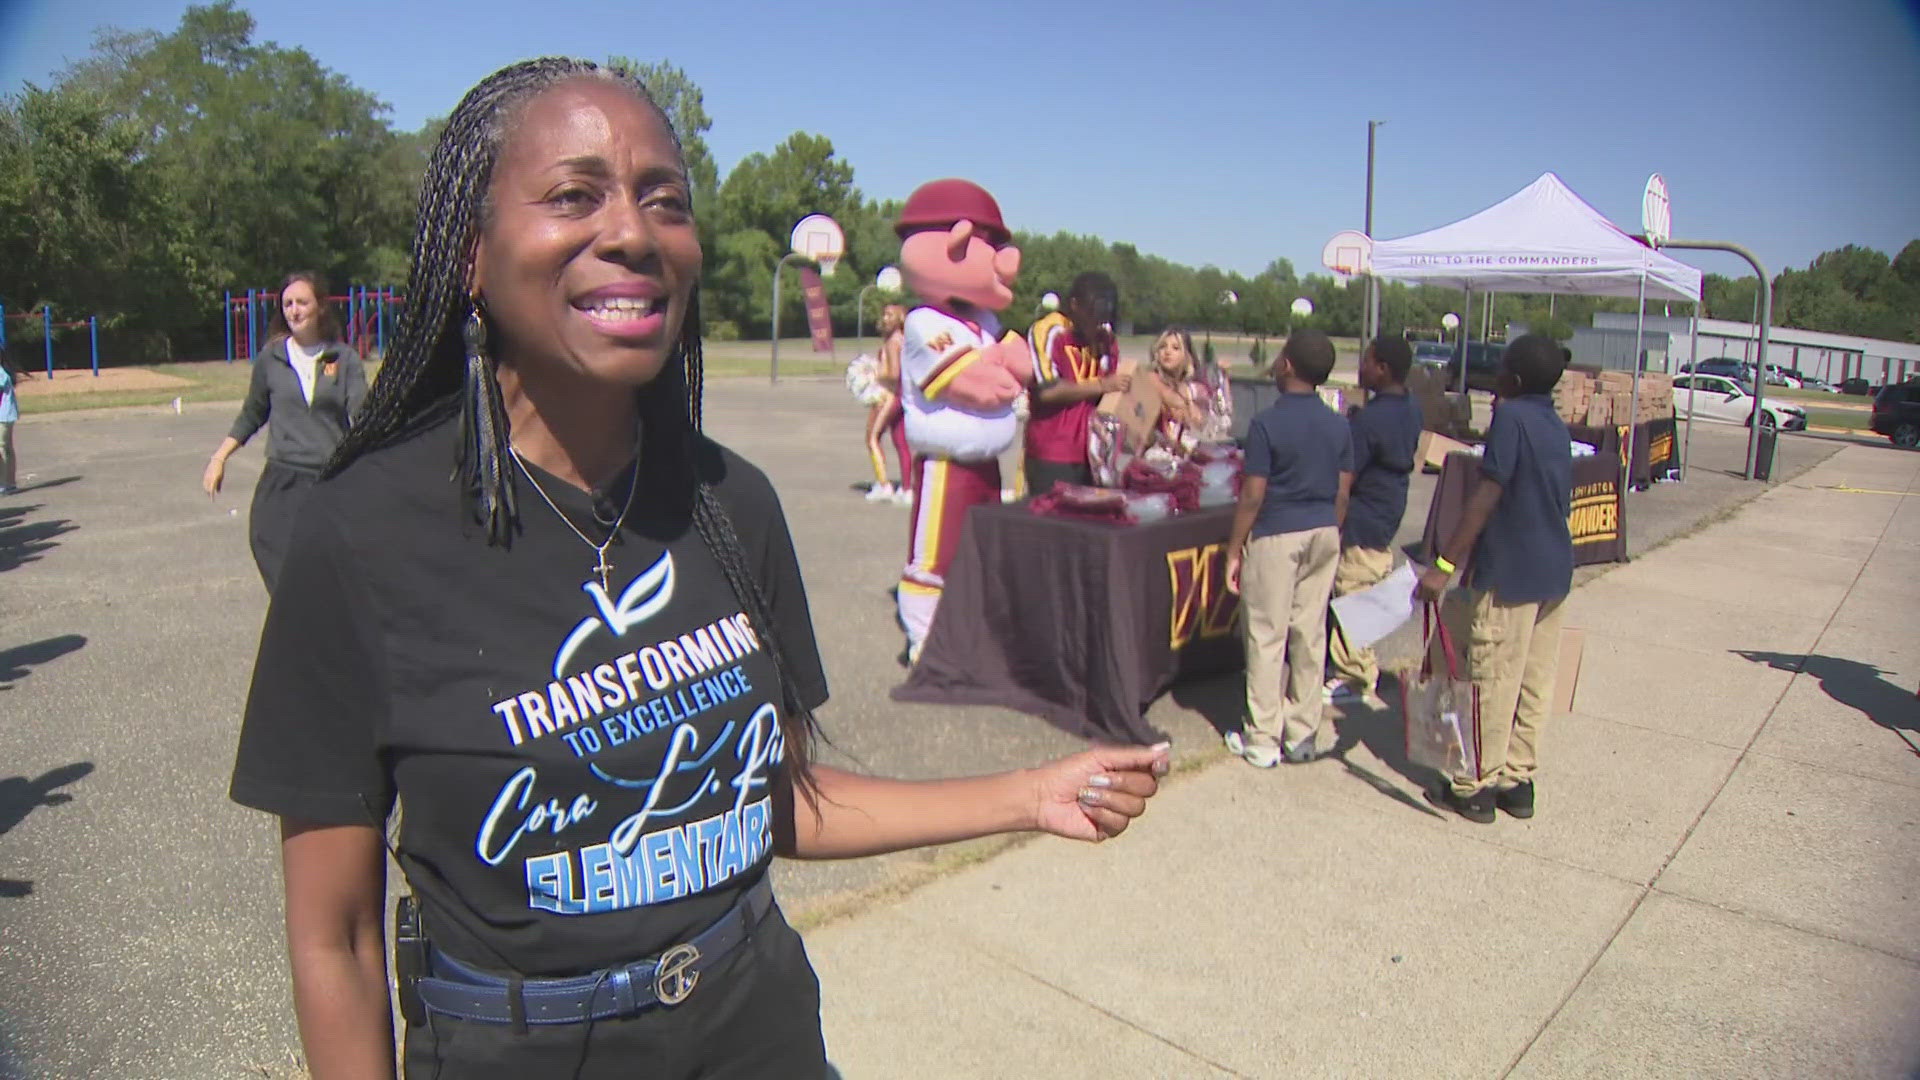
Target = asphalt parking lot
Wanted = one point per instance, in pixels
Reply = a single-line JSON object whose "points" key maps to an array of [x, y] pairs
{"points": [[140, 911]]}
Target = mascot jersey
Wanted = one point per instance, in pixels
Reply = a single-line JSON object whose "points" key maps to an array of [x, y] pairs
{"points": [[938, 347]]}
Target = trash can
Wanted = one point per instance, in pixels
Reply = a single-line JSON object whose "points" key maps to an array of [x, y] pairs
{"points": [[1763, 461]]}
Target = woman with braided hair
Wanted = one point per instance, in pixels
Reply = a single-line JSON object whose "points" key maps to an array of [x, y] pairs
{"points": [[535, 610]]}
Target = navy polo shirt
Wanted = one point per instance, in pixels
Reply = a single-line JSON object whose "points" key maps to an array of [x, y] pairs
{"points": [[1386, 436], [1525, 553], [1301, 447]]}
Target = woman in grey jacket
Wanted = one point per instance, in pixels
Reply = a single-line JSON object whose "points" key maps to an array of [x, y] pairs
{"points": [[309, 383]]}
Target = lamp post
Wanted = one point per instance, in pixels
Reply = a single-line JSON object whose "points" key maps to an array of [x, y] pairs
{"points": [[773, 374], [887, 280], [1302, 308]]}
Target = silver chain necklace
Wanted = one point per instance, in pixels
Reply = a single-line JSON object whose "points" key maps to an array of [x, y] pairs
{"points": [[602, 567]]}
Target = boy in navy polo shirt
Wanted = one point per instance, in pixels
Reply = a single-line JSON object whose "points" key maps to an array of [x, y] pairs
{"points": [[1515, 532], [1282, 552], [1386, 436]]}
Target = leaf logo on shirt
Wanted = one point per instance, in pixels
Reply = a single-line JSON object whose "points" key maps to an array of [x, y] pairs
{"points": [[643, 598]]}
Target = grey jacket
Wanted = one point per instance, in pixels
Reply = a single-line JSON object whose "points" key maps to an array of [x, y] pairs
{"points": [[302, 435]]}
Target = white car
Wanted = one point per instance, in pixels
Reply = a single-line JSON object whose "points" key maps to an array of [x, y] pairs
{"points": [[1716, 397]]}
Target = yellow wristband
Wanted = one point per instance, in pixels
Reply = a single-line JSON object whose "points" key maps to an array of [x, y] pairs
{"points": [[1440, 562]]}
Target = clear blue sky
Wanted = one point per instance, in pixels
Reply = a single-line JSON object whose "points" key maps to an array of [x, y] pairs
{"points": [[1223, 133]]}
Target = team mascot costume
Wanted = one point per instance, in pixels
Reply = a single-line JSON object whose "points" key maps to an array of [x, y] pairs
{"points": [[959, 375]]}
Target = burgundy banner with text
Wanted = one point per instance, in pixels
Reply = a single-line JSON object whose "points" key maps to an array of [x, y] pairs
{"points": [[819, 319]]}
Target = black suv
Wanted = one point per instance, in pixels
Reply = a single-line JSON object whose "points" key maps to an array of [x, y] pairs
{"points": [[1483, 366], [1896, 414]]}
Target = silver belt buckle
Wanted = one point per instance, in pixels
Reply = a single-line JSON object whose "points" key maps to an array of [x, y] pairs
{"points": [[672, 979]]}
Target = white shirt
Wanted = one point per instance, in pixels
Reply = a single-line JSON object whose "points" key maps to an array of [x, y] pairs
{"points": [[934, 424], [305, 363]]}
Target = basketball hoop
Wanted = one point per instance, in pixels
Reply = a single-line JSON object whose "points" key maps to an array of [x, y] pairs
{"points": [[1348, 254], [820, 238]]}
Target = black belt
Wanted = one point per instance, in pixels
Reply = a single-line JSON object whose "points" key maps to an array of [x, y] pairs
{"points": [[458, 990]]}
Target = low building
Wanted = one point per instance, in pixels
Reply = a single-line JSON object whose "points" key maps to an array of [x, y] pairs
{"points": [[1833, 357]]}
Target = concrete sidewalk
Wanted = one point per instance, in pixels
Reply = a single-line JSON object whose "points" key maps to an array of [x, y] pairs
{"points": [[1720, 881]]}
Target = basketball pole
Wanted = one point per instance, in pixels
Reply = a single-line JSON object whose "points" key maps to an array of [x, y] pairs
{"points": [[773, 375]]}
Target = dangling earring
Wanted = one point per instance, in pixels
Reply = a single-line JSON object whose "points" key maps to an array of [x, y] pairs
{"points": [[483, 434]]}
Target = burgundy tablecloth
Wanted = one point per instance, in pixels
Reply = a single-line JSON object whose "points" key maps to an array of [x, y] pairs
{"points": [[1598, 519], [1081, 623]]}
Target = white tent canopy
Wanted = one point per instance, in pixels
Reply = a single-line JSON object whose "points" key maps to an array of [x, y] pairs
{"points": [[1542, 239]]}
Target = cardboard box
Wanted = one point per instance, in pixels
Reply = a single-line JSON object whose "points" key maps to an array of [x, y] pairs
{"points": [[1138, 410], [1434, 448], [1566, 682], [1600, 411]]}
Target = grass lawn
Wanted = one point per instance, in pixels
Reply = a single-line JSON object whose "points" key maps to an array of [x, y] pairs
{"points": [[1817, 398], [217, 380], [1839, 418]]}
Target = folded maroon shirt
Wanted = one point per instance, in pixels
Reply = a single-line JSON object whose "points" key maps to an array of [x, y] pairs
{"points": [[1086, 503], [1182, 482]]}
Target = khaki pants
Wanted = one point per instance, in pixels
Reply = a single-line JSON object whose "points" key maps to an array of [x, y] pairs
{"points": [[1285, 581], [1359, 568], [9, 464], [1512, 656]]}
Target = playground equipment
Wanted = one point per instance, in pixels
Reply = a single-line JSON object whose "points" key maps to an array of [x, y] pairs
{"points": [[48, 326], [366, 313]]}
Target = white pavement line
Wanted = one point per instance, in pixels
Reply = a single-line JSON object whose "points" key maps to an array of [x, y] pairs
{"points": [[1647, 889]]}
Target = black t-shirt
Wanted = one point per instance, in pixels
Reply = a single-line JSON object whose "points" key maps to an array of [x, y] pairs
{"points": [[1301, 447], [1386, 436], [1525, 553], [584, 775]]}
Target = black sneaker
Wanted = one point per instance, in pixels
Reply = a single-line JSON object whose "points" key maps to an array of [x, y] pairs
{"points": [[1517, 800], [1477, 807]]}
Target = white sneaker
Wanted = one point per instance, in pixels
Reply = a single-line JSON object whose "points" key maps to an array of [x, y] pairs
{"points": [[1258, 755], [902, 497], [1338, 690], [913, 653], [880, 493], [1008, 495]]}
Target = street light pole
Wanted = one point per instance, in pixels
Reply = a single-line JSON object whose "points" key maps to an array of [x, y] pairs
{"points": [[773, 374], [1373, 283]]}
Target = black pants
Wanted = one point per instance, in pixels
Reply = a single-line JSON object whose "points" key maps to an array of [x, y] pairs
{"points": [[276, 500], [1041, 475], [755, 1015]]}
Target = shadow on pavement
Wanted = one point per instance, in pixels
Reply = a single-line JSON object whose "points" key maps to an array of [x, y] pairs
{"points": [[23, 542], [1383, 732], [1219, 699], [1857, 685], [41, 485], [20, 796], [17, 661]]}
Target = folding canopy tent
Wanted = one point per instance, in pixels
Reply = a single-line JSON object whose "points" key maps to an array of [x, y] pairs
{"points": [[1542, 239]]}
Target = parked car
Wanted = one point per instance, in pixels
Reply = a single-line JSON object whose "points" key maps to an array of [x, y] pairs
{"points": [[1896, 414], [1725, 365], [1856, 386], [1778, 375], [1809, 382], [1483, 365], [1432, 353], [1716, 397]]}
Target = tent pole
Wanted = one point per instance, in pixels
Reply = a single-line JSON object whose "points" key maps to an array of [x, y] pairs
{"points": [[1693, 363], [1466, 320], [1633, 417]]}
